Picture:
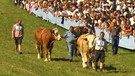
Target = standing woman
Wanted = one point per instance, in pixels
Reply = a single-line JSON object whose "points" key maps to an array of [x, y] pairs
{"points": [[71, 37], [17, 34]]}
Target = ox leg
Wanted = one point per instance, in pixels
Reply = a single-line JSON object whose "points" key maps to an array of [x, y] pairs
{"points": [[42, 52], [49, 53], [95, 66], [38, 51], [82, 56], [90, 59], [46, 53], [84, 60]]}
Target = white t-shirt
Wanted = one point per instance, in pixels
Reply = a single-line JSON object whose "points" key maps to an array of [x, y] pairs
{"points": [[132, 21]]}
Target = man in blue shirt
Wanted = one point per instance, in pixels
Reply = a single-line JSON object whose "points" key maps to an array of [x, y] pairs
{"points": [[71, 37]]}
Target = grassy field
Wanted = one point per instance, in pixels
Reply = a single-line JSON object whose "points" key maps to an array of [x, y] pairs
{"points": [[27, 64]]}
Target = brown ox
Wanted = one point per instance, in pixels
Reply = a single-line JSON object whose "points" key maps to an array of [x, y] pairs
{"points": [[44, 41], [84, 43], [80, 30]]}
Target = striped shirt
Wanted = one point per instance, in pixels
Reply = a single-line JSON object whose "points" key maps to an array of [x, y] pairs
{"points": [[17, 30]]}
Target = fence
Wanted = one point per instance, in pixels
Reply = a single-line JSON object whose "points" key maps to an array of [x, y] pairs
{"points": [[125, 42]]}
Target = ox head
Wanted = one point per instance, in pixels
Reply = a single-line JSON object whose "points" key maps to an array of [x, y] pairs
{"points": [[56, 34], [80, 30], [90, 39]]}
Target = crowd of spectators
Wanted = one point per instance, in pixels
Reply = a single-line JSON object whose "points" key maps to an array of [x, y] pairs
{"points": [[100, 13]]}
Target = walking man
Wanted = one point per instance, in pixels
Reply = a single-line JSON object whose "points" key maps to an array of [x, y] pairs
{"points": [[115, 33], [17, 34], [71, 37], [100, 46]]}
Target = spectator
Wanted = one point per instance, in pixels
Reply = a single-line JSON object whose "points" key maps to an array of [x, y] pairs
{"points": [[126, 28], [17, 34], [115, 33], [90, 31], [118, 5], [123, 25], [113, 22], [28, 6], [132, 20], [88, 24]]}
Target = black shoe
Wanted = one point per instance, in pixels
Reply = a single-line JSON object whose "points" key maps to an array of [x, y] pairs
{"points": [[70, 60], [20, 52]]}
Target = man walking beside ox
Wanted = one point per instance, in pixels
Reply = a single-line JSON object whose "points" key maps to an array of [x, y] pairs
{"points": [[100, 46]]}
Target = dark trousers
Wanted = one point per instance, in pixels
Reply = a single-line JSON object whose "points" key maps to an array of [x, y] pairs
{"points": [[99, 55], [18, 40], [115, 43]]}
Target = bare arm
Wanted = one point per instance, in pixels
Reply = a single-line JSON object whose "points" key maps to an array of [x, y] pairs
{"points": [[13, 30]]}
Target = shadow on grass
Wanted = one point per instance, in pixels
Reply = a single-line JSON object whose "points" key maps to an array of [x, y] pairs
{"points": [[63, 59], [126, 54], [60, 59], [29, 53], [131, 50], [111, 69]]}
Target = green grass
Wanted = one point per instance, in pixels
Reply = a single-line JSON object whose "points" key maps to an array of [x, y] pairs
{"points": [[27, 64]]}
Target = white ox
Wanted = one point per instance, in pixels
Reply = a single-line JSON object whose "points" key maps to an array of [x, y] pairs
{"points": [[84, 43]]}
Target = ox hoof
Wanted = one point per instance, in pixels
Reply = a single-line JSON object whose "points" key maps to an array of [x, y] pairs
{"points": [[38, 56], [46, 60], [84, 66], [49, 59]]}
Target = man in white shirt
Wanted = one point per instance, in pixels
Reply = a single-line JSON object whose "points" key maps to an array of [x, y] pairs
{"points": [[100, 46]]}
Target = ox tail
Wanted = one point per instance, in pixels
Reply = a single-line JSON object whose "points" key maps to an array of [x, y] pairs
{"points": [[43, 29]]}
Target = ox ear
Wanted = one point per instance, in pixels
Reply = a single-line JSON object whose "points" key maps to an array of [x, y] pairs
{"points": [[85, 38], [55, 30], [52, 31]]}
